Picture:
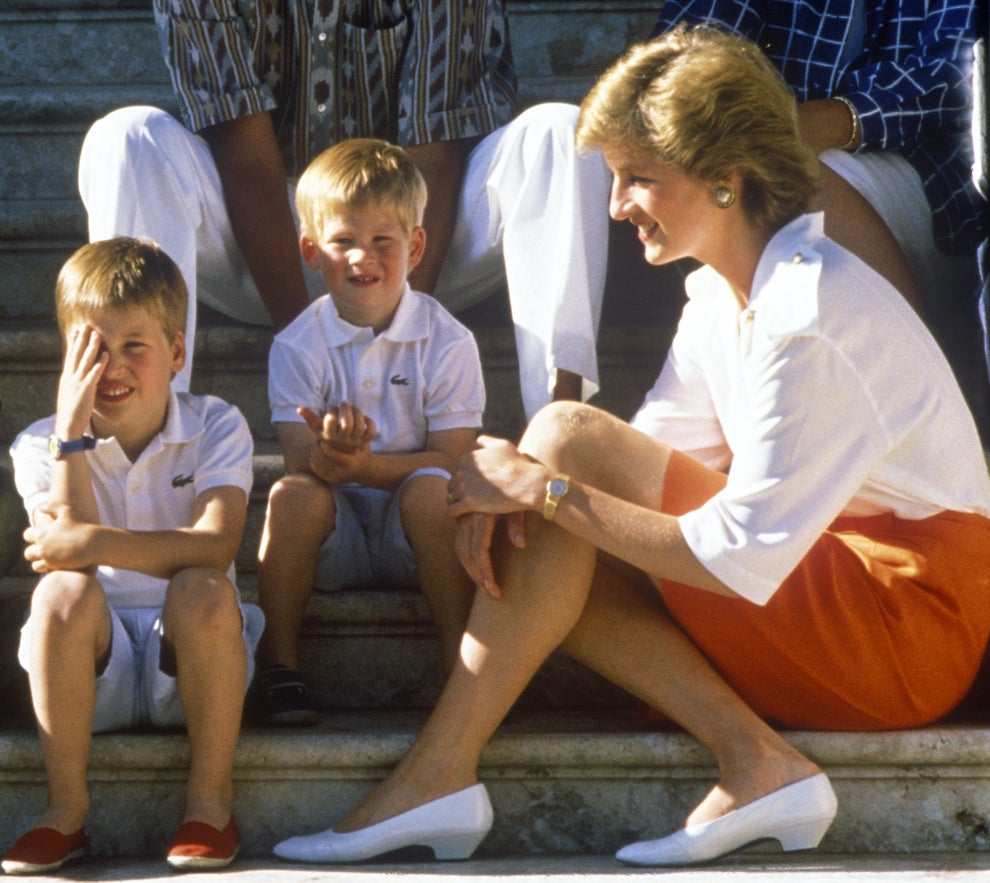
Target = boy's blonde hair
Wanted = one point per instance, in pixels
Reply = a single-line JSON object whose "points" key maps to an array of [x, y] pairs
{"points": [[707, 102], [115, 274], [354, 174]]}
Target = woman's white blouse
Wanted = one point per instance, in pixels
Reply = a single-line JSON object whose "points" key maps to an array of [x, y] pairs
{"points": [[825, 396]]}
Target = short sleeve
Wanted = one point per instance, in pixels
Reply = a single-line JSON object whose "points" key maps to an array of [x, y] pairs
{"points": [[457, 389], [208, 52], [226, 450]]}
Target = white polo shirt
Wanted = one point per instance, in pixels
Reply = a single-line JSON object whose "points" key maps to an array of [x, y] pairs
{"points": [[205, 444], [826, 396], [420, 375]]}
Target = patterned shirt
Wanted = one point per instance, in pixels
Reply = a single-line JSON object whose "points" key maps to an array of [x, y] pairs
{"points": [[904, 64], [408, 71]]}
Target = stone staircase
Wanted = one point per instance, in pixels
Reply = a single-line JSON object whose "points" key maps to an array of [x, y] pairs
{"points": [[570, 771]]}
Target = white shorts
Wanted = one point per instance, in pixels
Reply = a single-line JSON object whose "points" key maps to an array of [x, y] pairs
{"points": [[133, 689]]}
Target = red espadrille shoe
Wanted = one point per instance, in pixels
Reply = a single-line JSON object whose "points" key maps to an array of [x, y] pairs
{"points": [[201, 847], [43, 849]]}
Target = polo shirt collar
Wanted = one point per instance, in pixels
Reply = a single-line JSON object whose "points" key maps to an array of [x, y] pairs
{"points": [[408, 323], [181, 426]]}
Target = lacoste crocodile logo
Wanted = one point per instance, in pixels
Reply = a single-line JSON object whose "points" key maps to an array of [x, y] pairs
{"points": [[182, 480], [396, 380]]}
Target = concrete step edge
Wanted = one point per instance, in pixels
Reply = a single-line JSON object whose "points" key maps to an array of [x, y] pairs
{"points": [[561, 783]]}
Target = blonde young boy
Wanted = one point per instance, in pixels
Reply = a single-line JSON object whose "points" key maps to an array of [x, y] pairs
{"points": [[375, 391], [137, 498]]}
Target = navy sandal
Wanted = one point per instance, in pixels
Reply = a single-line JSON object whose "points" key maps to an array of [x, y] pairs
{"points": [[280, 699]]}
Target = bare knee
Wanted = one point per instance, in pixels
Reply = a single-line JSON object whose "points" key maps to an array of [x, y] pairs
{"points": [[302, 503], [423, 508], [200, 601], [423, 495], [561, 432], [68, 601]]}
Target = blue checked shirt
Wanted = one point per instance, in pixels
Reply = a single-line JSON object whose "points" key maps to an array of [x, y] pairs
{"points": [[904, 64], [410, 71]]}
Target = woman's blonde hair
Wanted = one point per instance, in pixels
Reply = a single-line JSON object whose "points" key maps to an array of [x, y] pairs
{"points": [[116, 274], [357, 173], [709, 103]]}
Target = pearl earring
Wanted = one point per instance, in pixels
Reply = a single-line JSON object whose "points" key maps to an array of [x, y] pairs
{"points": [[723, 194]]}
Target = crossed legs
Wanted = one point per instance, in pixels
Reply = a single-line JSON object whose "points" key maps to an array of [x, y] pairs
{"points": [[555, 592]]}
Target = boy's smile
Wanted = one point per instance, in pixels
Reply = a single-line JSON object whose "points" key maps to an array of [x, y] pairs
{"points": [[132, 393]]}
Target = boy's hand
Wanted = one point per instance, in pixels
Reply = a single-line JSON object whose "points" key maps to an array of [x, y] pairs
{"points": [[81, 371], [336, 467], [343, 428], [342, 450], [58, 541]]}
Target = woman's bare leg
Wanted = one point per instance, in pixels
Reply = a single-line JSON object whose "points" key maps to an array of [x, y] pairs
{"points": [[658, 663], [505, 643], [851, 221], [554, 593]]}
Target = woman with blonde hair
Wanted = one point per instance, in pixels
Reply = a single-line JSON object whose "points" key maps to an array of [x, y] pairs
{"points": [[818, 560]]}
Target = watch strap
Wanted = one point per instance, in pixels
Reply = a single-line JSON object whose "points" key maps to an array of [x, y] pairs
{"points": [[61, 449], [554, 494]]}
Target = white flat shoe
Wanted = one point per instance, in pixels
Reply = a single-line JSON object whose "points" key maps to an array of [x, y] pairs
{"points": [[797, 816], [451, 826]]}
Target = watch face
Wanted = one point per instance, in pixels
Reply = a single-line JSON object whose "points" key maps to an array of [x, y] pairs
{"points": [[558, 487]]}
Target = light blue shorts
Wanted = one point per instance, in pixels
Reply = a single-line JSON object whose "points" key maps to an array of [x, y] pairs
{"points": [[133, 689], [368, 545]]}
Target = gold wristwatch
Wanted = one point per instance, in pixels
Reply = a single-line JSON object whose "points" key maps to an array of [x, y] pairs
{"points": [[556, 488]]}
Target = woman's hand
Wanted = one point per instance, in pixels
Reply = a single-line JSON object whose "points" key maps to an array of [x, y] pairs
{"points": [[496, 478]]}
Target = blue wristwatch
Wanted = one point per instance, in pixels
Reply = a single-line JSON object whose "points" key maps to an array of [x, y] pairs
{"points": [[61, 449]]}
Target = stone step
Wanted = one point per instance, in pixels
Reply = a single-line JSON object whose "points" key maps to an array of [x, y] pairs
{"points": [[745, 867], [573, 783], [68, 62]]}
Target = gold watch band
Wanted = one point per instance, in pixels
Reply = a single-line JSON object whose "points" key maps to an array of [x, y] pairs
{"points": [[556, 488]]}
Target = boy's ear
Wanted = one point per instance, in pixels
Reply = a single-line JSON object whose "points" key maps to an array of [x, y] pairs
{"points": [[310, 252], [417, 246], [178, 351]]}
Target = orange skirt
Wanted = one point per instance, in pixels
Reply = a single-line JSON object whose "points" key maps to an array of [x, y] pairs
{"points": [[882, 626]]}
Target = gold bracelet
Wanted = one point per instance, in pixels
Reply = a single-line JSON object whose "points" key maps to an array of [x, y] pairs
{"points": [[854, 137]]}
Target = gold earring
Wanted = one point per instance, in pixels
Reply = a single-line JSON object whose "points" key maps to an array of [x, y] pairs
{"points": [[723, 194]]}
